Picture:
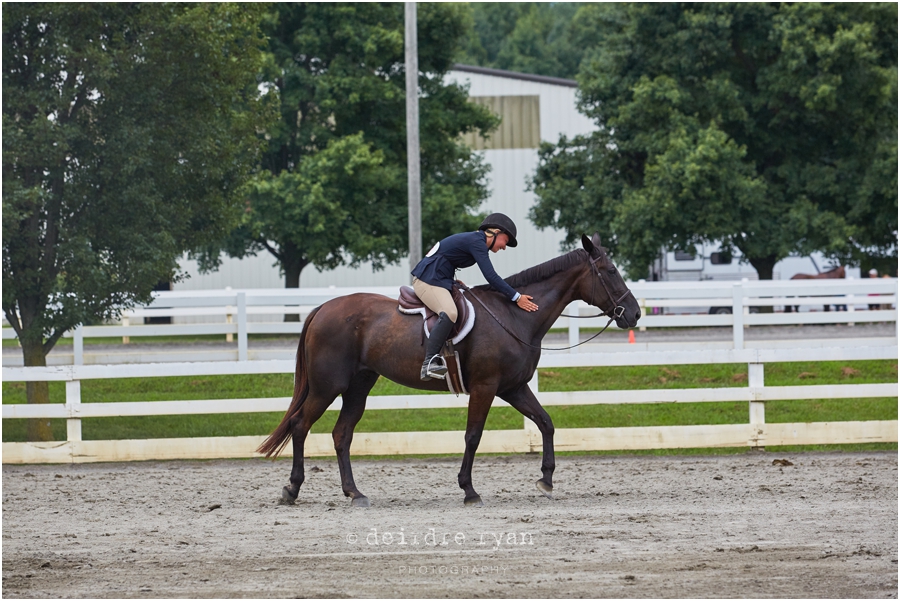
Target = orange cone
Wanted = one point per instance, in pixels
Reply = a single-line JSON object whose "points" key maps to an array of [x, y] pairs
{"points": [[630, 336]]}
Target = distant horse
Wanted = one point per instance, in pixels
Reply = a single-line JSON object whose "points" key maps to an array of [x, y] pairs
{"points": [[836, 273], [349, 341]]}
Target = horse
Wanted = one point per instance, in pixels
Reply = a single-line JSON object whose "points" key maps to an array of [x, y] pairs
{"points": [[836, 273], [348, 342]]}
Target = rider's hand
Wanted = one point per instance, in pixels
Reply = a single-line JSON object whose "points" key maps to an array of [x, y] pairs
{"points": [[525, 303]]}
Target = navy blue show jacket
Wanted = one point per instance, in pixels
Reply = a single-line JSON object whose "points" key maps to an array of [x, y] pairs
{"points": [[439, 266]]}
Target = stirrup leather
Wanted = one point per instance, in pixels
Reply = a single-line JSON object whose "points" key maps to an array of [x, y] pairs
{"points": [[433, 368]]}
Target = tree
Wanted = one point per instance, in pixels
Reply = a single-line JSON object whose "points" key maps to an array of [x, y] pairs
{"points": [[127, 129], [770, 128], [332, 186], [543, 38]]}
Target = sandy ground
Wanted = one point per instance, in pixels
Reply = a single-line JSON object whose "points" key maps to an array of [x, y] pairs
{"points": [[730, 526]]}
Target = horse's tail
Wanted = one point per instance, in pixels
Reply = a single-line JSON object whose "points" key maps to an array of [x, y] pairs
{"points": [[276, 441]]}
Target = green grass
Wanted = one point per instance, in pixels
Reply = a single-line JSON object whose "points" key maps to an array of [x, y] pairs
{"points": [[502, 417]]}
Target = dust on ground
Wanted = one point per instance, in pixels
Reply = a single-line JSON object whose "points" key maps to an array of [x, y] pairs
{"points": [[816, 525]]}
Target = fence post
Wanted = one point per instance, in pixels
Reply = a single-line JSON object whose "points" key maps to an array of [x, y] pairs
{"points": [[642, 303], [746, 307], [78, 346], [73, 403], [574, 333], [850, 308], [242, 325], [126, 323], [756, 380], [535, 440], [73, 387], [737, 314], [229, 318]]}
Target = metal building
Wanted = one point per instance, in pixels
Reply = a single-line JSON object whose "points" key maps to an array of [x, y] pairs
{"points": [[533, 108]]}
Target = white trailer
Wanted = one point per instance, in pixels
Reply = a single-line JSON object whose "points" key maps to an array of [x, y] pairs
{"points": [[710, 263]]}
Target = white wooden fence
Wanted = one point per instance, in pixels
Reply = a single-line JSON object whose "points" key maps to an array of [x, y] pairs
{"points": [[740, 296], [755, 433], [236, 310]]}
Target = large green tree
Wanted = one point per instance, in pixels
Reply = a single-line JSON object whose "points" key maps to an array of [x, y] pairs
{"points": [[127, 130], [332, 188], [543, 38], [769, 127]]}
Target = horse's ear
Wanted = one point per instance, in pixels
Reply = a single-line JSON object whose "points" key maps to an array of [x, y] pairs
{"points": [[587, 244], [596, 239]]}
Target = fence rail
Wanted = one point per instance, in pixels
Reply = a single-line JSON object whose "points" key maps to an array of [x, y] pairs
{"points": [[739, 297], [239, 308], [755, 433]]}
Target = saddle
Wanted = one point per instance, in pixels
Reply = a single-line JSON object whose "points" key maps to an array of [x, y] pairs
{"points": [[411, 305]]}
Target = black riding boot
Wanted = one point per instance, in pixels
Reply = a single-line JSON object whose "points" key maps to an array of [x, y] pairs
{"points": [[434, 365]]}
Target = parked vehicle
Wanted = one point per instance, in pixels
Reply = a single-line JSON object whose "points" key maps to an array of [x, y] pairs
{"points": [[710, 262]]}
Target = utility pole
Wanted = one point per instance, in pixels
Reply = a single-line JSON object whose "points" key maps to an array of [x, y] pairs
{"points": [[412, 136]]}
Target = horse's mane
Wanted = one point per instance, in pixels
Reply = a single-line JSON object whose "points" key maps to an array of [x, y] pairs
{"points": [[541, 272]]}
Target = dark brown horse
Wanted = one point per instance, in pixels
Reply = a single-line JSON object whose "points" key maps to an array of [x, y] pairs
{"points": [[836, 273], [348, 342]]}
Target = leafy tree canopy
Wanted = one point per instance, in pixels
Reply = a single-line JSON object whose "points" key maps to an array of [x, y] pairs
{"points": [[332, 188], [544, 38], [769, 127], [127, 129]]}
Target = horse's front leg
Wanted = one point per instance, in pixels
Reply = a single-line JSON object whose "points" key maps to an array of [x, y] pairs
{"points": [[479, 405], [527, 404]]}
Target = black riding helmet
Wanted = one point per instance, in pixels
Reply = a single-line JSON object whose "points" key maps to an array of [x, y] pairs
{"points": [[502, 223]]}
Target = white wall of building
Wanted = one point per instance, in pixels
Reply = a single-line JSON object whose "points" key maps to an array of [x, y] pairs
{"points": [[510, 171]]}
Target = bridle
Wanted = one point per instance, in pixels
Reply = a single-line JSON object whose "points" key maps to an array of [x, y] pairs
{"points": [[618, 310]]}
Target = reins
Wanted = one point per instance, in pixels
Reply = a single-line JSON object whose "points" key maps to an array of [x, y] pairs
{"points": [[618, 311]]}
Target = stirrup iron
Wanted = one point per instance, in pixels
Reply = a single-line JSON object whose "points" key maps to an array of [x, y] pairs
{"points": [[433, 368]]}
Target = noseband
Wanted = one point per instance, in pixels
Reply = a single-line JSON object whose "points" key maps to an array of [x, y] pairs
{"points": [[618, 311]]}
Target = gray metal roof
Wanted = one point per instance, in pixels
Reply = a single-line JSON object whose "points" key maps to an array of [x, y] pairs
{"points": [[557, 81]]}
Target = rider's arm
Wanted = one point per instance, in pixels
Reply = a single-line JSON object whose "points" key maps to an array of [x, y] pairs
{"points": [[480, 252]]}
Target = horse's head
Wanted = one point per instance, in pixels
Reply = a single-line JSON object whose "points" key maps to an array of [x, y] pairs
{"points": [[605, 288]]}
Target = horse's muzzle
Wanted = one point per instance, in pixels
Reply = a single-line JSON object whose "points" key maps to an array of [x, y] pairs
{"points": [[628, 319]]}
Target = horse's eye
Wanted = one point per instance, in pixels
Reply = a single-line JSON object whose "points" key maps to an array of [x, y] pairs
{"points": [[612, 271]]}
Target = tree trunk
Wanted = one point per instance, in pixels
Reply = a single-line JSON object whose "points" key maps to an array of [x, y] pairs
{"points": [[292, 266], [37, 392], [764, 267]]}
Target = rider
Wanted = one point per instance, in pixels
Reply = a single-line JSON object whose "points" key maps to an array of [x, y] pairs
{"points": [[433, 279]]}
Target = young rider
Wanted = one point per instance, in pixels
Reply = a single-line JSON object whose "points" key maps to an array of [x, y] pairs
{"points": [[433, 279]]}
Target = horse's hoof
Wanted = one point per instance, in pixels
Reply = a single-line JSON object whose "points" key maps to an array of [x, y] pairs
{"points": [[361, 501], [288, 496], [545, 489], [474, 501]]}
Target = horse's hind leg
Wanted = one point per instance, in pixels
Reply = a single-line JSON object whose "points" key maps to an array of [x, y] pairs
{"points": [[354, 404], [527, 404], [310, 412]]}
